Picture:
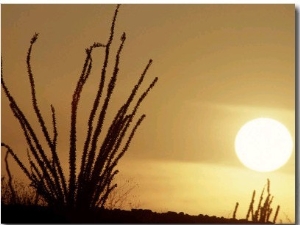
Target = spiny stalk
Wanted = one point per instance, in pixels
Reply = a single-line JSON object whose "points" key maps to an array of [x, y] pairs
{"points": [[263, 211], [91, 186]]}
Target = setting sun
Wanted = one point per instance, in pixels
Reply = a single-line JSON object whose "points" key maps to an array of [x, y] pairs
{"points": [[263, 144]]}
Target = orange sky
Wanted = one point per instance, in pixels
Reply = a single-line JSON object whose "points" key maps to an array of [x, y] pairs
{"points": [[219, 66]]}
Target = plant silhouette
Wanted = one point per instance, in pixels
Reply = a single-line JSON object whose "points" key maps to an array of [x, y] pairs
{"points": [[263, 212], [16, 192], [89, 185]]}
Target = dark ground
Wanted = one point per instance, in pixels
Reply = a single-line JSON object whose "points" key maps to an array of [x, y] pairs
{"points": [[39, 214]]}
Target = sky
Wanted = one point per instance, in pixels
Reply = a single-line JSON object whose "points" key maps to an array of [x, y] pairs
{"points": [[219, 66]]}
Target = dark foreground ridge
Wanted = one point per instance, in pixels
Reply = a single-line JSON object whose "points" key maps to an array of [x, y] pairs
{"points": [[40, 214]]}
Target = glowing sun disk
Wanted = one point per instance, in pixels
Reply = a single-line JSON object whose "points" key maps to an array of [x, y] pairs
{"points": [[263, 144]]}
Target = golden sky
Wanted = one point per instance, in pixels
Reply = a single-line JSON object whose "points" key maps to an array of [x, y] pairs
{"points": [[219, 66]]}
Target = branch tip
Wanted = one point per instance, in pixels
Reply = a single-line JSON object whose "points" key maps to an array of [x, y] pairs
{"points": [[34, 38], [123, 38]]}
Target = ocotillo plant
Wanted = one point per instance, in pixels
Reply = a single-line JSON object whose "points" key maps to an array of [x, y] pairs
{"points": [[235, 210], [263, 212], [250, 210], [90, 186]]}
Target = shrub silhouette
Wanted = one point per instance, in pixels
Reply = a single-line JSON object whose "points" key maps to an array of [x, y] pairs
{"points": [[122, 197], [18, 193], [90, 185]]}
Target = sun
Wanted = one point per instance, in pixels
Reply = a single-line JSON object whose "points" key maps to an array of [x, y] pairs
{"points": [[263, 144]]}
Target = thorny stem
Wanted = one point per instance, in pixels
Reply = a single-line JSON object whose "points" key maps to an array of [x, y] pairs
{"points": [[93, 184]]}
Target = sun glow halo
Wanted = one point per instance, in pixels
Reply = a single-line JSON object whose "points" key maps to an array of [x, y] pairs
{"points": [[263, 144]]}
